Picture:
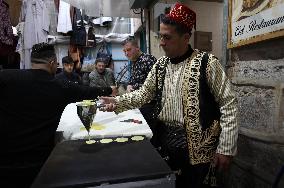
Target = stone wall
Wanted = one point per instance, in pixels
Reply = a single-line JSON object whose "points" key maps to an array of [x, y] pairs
{"points": [[257, 73]]}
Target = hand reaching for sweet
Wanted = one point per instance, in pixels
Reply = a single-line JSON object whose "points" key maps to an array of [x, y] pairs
{"points": [[109, 104], [129, 88], [114, 91]]}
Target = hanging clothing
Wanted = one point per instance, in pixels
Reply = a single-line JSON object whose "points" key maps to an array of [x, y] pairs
{"points": [[78, 16], [6, 31], [7, 46], [20, 45], [36, 27], [36, 23], [56, 2], [64, 24]]}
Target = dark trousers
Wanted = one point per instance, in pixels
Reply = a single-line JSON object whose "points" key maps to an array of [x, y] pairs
{"points": [[19, 170], [18, 176], [187, 175], [173, 147], [278, 177]]}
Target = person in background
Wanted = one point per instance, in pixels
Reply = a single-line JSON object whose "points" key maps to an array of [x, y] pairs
{"points": [[31, 104], [141, 64], [196, 107], [77, 54], [68, 73], [101, 76]]}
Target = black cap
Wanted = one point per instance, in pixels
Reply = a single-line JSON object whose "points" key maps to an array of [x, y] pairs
{"points": [[42, 53], [67, 60], [101, 60]]}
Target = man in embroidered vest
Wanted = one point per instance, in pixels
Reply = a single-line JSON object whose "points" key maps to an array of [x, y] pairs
{"points": [[196, 108]]}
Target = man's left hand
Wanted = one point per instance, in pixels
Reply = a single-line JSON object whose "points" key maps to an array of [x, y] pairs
{"points": [[114, 91], [222, 162]]}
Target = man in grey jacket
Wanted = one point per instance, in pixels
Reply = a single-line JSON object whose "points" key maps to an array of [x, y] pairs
{"points": [[101, 76]]}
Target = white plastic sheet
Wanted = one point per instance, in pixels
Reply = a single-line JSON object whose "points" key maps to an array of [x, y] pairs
{"points": [[73, 129]]}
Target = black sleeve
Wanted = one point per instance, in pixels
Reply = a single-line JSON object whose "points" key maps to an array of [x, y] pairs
{"points": [[100, 91], [76, 92]]}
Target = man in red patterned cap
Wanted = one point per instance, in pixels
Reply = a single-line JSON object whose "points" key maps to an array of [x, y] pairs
{"points": [[196, 110]]}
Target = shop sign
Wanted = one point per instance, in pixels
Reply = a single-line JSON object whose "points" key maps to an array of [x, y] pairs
{"points": [[262, 21]]}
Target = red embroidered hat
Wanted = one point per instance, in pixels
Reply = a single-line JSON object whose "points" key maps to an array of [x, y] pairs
{"points": [[183, 15]]}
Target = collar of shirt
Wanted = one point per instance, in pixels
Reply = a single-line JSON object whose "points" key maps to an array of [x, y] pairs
{"points": [[179, 59]]}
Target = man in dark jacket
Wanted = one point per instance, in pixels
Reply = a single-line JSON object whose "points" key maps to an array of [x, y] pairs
{"points": [[31, 104], [68, 73]]}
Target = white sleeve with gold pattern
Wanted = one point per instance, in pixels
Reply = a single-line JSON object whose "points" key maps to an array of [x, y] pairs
{"points": [[220, 86], [138, 97]]}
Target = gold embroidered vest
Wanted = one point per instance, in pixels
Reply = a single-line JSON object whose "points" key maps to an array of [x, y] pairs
{"points": [[202, 139]]}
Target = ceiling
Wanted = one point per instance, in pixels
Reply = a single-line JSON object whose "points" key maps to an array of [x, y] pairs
{"points": [[105, 8], [134, 4], [220, 1], [96, 8]]}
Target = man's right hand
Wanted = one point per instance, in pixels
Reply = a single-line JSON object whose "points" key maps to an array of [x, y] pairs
{"points": [[222, 162], [109, 103], [129, 88]]}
